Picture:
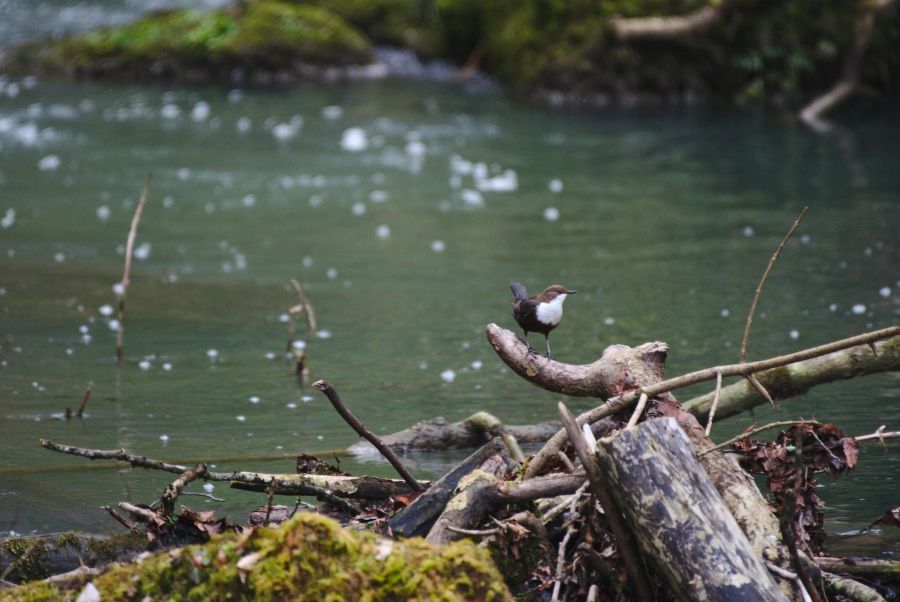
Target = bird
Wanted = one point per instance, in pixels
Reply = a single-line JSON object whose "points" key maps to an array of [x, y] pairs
{"points": [[540, 313]]}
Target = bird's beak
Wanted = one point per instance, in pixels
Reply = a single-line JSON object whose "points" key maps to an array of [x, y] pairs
{"points": [[572, 292]]}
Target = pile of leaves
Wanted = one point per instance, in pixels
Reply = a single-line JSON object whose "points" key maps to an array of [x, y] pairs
{"points": [[790, 463]]}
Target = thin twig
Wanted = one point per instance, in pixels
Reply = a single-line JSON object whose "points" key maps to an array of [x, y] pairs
{"points": [[880, 434], [557, 510], [565, 461], [561, 561], [128, 525], [825, 447], [715, 403], [208, 496], [474, 532], [126, 275], [306, 307], [760, 389], [141, 513], [332, 395], [173, 490], [638, 410], [84, 400], [755, 431], [762, 282], [269, 498]]}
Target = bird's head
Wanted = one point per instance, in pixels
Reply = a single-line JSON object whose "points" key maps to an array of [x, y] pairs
{"points": [[555, 291]]}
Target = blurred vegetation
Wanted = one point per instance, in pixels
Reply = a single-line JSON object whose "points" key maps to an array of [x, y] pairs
{"points": [[772, 52]]}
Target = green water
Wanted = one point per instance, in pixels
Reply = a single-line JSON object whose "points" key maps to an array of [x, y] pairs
{"points": [[665, 222]]}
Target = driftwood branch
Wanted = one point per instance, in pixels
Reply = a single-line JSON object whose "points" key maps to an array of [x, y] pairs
{"points": [[364, 487], [563, 378], [174, 489], [798, 377], [336, 401]]}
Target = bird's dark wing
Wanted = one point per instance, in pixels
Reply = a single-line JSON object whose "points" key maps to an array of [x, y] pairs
{"points": [[525, 314]]}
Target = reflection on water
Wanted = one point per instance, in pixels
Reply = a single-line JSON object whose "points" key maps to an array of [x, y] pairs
{"points": [[404, 210]]}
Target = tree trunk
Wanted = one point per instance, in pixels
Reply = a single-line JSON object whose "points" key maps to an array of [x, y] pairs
{"points": [[679, 520]]}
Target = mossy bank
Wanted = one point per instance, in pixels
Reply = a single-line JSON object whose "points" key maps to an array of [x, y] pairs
{"points": [[308, 558], [762, 52]]}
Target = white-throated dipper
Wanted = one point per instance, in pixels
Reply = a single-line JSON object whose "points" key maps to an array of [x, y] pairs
{"points": [[541, 313]]}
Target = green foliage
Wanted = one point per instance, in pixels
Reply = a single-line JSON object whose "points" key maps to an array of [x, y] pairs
{"points": [[309, 558]]}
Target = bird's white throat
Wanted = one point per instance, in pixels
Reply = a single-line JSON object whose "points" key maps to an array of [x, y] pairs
{"points": [[552, 311]]}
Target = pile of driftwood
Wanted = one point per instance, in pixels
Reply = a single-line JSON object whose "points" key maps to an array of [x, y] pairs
{"points": [[630, 500]]}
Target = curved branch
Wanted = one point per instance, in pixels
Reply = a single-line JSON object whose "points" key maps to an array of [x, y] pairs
{"points": [[617, 370]]}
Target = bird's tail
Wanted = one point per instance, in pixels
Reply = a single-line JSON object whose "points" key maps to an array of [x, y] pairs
{"points": [[518, 291]]}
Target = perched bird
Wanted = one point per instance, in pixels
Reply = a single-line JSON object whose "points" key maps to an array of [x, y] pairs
{"points": [[541, 313]]}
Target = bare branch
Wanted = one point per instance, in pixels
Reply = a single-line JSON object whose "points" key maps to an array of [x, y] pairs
{"points": [[335, 399], [762, 281], [126, 274]]}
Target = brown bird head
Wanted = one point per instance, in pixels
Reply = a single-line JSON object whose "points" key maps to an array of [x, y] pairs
{"points": [[552, 292]]}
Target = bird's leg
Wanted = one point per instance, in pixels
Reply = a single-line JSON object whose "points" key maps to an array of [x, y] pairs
{"points": [[531, 350], [547, 339]]}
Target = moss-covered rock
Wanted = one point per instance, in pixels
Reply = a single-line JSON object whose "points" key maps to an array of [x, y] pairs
{"points": [[308, 558], [255, 36]]}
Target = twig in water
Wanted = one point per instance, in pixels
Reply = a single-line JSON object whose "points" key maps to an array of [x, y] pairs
{"points": [[300, 355], [755, 431], [880, 435], [269, 498], [147, 516], [715, 403], [126, 274], [762, 281], [208, 496], [638, 410], [332, 395], [84, 400]]}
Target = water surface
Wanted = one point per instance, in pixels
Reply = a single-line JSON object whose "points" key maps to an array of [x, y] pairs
{"points": [[404, 209]]}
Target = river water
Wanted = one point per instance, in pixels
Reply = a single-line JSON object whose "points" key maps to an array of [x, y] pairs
{"points": [[405, 209]]}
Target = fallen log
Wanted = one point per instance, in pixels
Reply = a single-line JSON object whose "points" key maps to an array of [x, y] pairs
{"points": [[870, 568], [362, 488], [799, 377], [37, 557], [681, 523], [467, 507], [475, 430], [418, 517]]}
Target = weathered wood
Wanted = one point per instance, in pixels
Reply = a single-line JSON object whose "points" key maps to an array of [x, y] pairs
{"points": [[680, 521], [799, 377], [62, 552], [438, 433], [469, 505], [871, 568], [363, 488], [418, 517]]}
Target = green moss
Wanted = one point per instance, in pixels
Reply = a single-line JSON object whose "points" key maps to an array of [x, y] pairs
{"points": [[256, 35], [31, 558], [308, 558]]}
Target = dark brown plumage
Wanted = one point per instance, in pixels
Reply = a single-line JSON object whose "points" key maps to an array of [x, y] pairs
{"points": [[540, 313]]}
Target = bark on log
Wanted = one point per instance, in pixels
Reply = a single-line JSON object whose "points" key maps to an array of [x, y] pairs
{"points": [[797, 378], [418, 517], [678, 518], [468, 506], [871, 568], [362, 488], [471, 432], [62, 552]]}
